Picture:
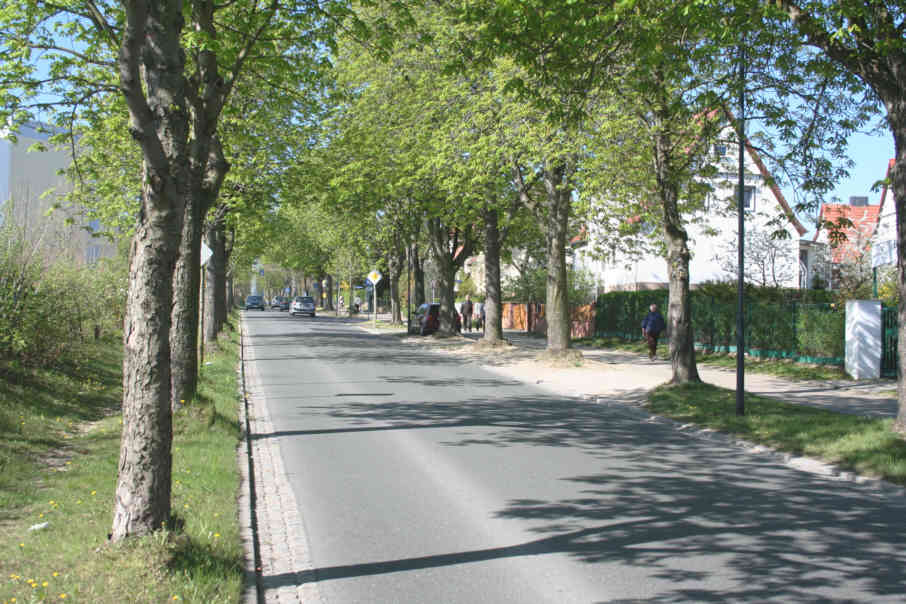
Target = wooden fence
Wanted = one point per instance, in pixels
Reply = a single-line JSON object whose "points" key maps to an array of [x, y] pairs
{"points": [[530, 317]]}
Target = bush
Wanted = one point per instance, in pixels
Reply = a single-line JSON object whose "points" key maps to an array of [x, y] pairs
{"points": [[47, 303], [779, 323]]}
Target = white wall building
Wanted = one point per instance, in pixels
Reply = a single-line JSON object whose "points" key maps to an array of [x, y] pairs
{"points": [[31, 184], [713, 236]]}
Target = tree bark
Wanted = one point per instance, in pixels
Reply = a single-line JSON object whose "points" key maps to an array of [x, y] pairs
{"points": [[395, 262], [896, 112], [418, 279], [184, 320], [215, 282], [328, 301], [450, 253], [558, 206], [679, 312], [493, 325], [151, 70], [202, 193]]}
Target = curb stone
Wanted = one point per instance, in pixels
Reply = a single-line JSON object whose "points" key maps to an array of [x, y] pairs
{"points": [[286, 569]]}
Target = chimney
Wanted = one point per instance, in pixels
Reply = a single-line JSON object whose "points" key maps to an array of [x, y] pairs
{"points": [[858, 200]]}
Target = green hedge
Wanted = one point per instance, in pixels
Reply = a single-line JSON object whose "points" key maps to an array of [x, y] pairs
{"points": [[48, 302], [779, 323]]}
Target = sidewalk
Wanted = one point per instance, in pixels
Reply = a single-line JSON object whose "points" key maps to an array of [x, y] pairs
{"points": [[619, 373]]}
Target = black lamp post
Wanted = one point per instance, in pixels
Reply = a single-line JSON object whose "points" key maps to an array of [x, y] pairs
{"points": [[740, 282]]}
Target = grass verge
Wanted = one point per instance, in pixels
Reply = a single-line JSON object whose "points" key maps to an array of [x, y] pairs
{"points": [[781, 368], [864, 445], [58, 465]]}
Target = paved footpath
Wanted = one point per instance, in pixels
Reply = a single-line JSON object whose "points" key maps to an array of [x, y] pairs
{"points": [[271, 525]]}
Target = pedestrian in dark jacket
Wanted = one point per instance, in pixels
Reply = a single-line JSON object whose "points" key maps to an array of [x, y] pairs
{"points": [[466, 310], [652, 326]]}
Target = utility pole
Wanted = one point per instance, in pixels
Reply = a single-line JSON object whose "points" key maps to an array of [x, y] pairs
{"points": [[740, 281]]}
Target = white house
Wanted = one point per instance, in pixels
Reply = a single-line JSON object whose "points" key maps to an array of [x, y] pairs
{"points": [[31, 184], [713, 235], [884, 238]]}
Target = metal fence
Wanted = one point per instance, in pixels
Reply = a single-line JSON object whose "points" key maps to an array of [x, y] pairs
{"points": [[811, 333], [889, 365]]}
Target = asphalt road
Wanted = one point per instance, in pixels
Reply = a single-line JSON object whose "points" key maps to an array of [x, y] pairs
{"points": [[421, 479]]}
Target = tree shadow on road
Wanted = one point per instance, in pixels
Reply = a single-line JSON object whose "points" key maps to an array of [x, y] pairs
{"points": [[697, 518]]}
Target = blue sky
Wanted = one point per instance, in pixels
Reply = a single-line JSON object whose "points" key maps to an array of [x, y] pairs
{"points": [[871, 153]]}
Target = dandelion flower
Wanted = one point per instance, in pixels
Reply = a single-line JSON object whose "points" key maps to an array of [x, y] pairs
{"points": [[44, 584], [56, 574]]}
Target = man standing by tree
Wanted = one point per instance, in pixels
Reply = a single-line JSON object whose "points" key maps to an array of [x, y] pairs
{"points": [[466, 311], [652, 326]]}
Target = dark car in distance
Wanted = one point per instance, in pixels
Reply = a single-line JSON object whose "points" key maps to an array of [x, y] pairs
{"points": [[254, 301], [280, 303], [427, 319]]}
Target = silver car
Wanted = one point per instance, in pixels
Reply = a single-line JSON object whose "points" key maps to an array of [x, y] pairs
{"points": [[302, 305]]}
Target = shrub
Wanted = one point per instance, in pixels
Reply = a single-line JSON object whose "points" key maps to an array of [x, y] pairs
{"points": [[47, 303]]}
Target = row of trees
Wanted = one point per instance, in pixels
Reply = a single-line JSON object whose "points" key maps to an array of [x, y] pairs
{"points": [[327, 135]]}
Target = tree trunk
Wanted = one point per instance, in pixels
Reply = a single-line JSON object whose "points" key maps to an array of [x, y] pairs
{"points": [[328, 300], [450, 254], [214, 283], [143, 485], [493, 326], [152, 77], [896, 115], [203, 192], [219, 258], [679, 312], [395, 263], [184, 320], [557, 301], [418, 279]]}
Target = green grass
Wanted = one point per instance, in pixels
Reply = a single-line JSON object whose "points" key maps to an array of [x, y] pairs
{"points": [[781, 368], [59, 453], [864, 445]]}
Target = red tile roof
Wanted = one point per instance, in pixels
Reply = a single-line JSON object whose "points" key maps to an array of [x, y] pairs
{"points": [[864, 221]]}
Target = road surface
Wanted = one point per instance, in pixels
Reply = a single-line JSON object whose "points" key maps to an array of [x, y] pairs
{"points": [[418, 478]]}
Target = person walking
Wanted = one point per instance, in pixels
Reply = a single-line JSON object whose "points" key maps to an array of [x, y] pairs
{"points": [[652, 326], [479, 315], [466, 310]]}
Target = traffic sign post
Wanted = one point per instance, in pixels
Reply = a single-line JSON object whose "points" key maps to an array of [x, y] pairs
{"points": [[374, 277]]}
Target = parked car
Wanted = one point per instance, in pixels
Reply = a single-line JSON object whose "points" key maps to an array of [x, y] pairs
{"points": [[302, 305], [280, 303], [254, 302], [427, 319]]}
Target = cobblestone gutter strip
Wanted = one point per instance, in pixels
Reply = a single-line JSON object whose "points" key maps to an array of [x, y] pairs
{"points": [[277, 561]]}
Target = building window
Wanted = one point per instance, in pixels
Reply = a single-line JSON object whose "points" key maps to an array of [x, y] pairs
{"points": [[720, 150], [748, 200], [92, 254]]}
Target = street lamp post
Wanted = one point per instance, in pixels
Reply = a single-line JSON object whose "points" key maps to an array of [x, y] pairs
{"points": [[740, 281]]}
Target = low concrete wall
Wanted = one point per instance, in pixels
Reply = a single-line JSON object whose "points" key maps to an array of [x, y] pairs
{"points": [[863, 339]]}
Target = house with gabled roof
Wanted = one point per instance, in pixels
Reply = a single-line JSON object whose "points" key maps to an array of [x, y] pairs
{"points": [[884, 236], [846, 231], [712, 230]]}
